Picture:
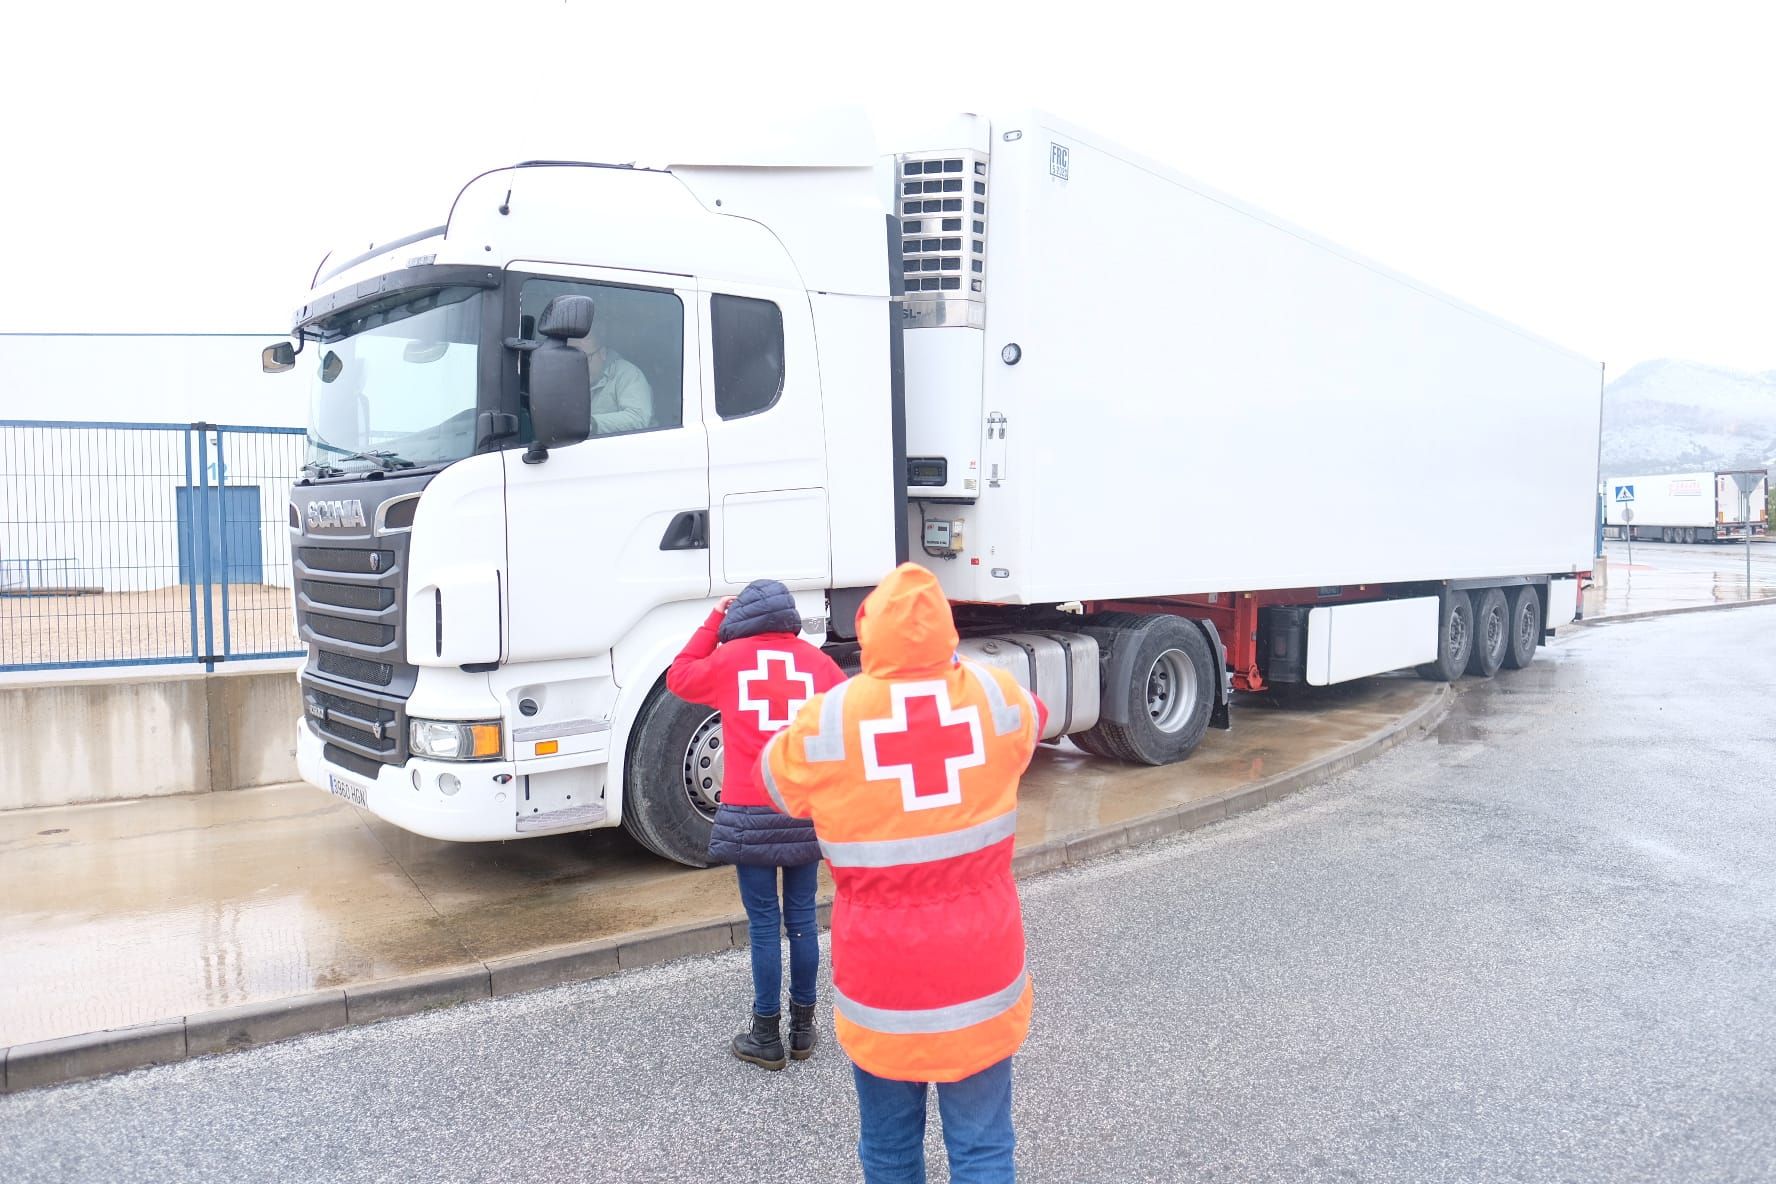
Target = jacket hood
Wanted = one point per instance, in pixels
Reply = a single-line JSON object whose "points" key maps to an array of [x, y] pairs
{"points": [[905, 626], [763, 606]]}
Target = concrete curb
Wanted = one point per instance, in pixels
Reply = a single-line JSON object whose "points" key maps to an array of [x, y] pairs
{"points": [[94, 1054], [1650, 614]]}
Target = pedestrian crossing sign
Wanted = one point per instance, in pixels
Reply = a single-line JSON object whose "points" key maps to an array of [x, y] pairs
{"points": [[1624, 493]]}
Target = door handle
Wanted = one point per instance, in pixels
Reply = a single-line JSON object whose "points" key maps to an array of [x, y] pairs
{"points": [[688, 531]]}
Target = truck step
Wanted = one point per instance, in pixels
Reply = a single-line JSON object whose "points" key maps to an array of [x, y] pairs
{"points": [[572, 816]]}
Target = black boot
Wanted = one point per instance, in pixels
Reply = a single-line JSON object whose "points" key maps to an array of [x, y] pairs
{"points": [[763, 1046], [801, 1030]]}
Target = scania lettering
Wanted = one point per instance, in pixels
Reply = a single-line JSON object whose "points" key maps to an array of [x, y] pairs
{"points": [[1132, 424]]}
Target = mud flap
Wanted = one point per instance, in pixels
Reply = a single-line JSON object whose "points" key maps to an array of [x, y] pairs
{"points": [[1222, 716]]}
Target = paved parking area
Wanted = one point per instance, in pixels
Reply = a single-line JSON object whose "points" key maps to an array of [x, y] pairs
{"points": [[1534, 946], [1675, 575]]}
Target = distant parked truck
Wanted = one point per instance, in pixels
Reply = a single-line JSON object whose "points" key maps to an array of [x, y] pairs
{"points": [[1700, 507]]}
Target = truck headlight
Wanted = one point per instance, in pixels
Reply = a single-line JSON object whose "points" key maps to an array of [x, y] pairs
{"points": [[454, 740]]}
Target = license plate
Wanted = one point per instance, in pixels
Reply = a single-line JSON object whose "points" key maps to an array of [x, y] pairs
{"points": [[349, 790]]}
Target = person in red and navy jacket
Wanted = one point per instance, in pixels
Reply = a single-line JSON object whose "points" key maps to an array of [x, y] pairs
{"points": [[748, 663]]}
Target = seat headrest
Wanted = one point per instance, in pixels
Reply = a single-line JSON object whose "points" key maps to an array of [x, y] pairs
{"points": [[566, 317]]}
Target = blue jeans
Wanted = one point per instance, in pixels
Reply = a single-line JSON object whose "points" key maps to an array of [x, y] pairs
{"points": [[766, 923], [977, 1130]]}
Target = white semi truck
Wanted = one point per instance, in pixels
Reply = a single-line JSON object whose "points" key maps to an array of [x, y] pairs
{"points": [[1157, 445], [1702, 507]]}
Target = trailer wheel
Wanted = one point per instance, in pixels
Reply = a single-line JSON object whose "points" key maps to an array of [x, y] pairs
{"points": [[674, 778], [1492, 633], [1525, 615], [1455, 633], [1168, 699]]}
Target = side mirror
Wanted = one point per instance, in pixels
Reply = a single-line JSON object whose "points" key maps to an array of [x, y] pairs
{"points": [[275, 359], [560, 378]]}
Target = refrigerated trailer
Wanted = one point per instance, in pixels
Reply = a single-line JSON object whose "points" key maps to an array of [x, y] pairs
{"points": [[1702, 507], [1158, 446]]}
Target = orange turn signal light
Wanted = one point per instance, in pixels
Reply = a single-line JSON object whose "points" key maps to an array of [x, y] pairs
{"points": [[485, 739], [548, 747]]}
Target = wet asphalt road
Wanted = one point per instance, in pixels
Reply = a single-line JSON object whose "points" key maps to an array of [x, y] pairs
{"points": [[1537, 946]]}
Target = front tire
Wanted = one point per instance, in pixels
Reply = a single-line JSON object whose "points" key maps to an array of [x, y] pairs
{"points": [[674, 777], [1492, 633], [1455, 639], [1168, 699]]}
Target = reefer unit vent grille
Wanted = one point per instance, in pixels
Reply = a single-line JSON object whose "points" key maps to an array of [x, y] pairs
{"points": [[943, 224]]}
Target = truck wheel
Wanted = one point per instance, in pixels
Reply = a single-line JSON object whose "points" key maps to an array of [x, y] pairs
{"points": [[1169, 698], [1455, 633], [1492, 633], [1525, 613], [674, 778], [1088, 743]]}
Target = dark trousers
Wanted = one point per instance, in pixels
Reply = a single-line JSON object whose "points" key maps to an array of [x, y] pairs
{"points": [[767, 921], [977, 1132]]}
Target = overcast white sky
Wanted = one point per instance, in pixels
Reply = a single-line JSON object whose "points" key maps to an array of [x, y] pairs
{"points": [[1601, 174]]}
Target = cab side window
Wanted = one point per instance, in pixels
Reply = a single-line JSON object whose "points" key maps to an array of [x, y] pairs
{"points": [[748, 339], [635, 354]]}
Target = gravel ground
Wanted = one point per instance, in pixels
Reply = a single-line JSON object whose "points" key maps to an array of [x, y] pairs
{"points": [[120, 626], [1537, 946]]}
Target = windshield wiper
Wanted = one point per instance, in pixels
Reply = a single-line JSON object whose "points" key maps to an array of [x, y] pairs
{"points": [[382, 459]]}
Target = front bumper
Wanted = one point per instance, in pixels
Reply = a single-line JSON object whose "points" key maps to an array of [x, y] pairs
{"points": [[491, 804]]}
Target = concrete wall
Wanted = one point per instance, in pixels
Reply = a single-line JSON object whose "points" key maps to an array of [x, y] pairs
{"points": [[70, 742]]}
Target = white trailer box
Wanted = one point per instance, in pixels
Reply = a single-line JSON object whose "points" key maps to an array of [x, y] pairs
{"points": [[1181, 394]]}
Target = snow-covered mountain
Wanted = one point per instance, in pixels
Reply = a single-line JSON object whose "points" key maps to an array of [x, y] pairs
{"points": [[1669, 416]]}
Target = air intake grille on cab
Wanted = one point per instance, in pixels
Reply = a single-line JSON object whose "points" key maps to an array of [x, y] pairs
{"points": [[943, 224]]}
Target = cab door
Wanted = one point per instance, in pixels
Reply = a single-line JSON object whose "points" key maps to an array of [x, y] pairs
{"points": [[606, 530], [767, 452]]}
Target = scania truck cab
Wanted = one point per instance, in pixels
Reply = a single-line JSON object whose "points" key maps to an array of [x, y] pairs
{"points": [[490, 588]]}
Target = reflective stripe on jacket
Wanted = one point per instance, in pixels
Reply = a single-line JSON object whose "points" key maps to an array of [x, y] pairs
{"points": [[909, 772]]}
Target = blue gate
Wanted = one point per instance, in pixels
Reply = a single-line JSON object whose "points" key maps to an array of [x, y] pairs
{"points": [[233, 528]]}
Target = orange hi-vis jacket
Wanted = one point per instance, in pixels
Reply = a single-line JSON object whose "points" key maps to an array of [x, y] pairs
{"points": [[910, 774]]}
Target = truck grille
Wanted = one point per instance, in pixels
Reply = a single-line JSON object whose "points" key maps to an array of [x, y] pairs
{"points": [[348, 609], [348, 596], [370, 726], [375, 674], [347, 560], [943, 224]]}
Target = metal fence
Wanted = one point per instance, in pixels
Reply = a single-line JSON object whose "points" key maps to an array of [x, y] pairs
{"points": [[131, 543]]}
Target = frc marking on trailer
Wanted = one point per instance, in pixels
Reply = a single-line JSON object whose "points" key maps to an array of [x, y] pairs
{"points": [[775, 698], [336, 515], [1059, 162], [929, 769]]}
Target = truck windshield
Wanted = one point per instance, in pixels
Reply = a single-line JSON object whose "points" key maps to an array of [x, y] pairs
{"points": [[398, 388]]}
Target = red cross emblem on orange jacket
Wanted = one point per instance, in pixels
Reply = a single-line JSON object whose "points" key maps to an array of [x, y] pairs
{"points": [[775, 690], [925, 744]]}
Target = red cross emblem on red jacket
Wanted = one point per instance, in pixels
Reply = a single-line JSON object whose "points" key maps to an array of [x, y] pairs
{"points": [[925, 744], [775, 690]]}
